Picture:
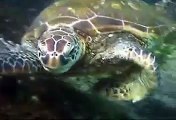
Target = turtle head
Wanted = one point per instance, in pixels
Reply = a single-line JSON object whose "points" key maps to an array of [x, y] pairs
{"points": [[59, 49]]}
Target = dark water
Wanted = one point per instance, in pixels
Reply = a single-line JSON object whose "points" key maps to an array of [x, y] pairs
{"points": [[64, 102]]}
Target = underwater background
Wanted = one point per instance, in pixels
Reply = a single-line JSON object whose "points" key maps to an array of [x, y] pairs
{"points": [[18, 98]]}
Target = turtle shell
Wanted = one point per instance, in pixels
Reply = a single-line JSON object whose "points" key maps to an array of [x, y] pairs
{"points": [[94, 17]]}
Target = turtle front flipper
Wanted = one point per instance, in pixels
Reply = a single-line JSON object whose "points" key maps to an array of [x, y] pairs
{"points": [[14, 59], [133, 84]]}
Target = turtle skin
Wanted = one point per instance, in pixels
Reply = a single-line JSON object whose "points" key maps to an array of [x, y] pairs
{"points": [[15, 59], [110, 56]]}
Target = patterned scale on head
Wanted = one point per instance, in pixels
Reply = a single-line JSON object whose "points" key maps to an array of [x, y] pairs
{"points": [[59, 49]]}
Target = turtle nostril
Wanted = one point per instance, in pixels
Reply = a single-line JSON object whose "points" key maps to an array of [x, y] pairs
{"points": [[54, 54]]}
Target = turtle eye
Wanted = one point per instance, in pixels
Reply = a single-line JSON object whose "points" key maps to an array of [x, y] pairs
{"points": [[41, 54], [72, 51], [66, 53], [42, 43], [67, 49]]}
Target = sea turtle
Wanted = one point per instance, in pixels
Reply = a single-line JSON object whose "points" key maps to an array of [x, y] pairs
{"points": [[104, 40]]}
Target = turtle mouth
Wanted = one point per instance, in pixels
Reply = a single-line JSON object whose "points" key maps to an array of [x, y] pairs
{"points": [[54, 63], [51, 64]]}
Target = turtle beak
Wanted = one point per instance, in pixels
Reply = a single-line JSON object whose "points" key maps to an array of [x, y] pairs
{"points": [[51, 62], [54, 62]]}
